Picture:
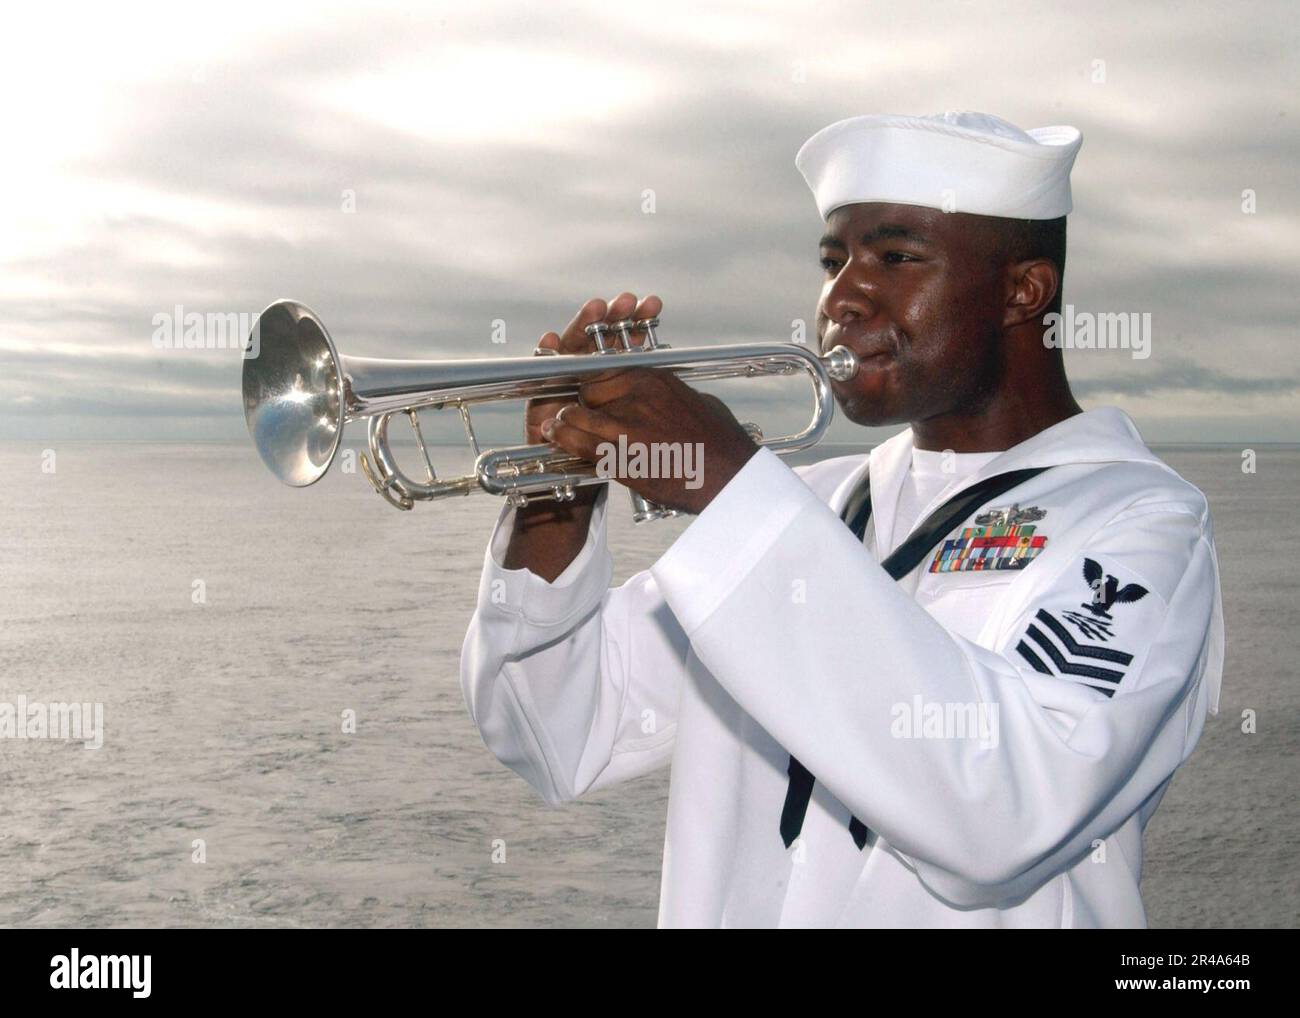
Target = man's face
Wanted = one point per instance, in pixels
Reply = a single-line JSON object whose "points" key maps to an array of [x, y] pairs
{"points": [[918, 295]]}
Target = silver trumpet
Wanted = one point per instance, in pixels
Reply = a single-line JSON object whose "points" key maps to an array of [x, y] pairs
{"points": [[299, 393]]}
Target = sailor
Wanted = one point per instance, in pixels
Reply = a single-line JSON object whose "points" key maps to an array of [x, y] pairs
{"points": [[942, 684]]}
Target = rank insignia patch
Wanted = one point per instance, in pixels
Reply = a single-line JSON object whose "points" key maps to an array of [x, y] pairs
{"points": [[1051, 648], [981, 549]]}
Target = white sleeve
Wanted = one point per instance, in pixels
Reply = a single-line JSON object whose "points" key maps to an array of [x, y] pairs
{"points": [[829, 674], [573, 684]]}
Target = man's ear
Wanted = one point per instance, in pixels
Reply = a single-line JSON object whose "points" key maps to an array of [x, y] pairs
{"points": [[1032, 286]]}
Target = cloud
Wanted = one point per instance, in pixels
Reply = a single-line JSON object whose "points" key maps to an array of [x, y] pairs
{"points": [[1183, 376], [501, 161]]}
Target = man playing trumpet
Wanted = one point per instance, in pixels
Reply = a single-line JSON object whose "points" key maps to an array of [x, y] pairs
{"points": [[960, 709]]}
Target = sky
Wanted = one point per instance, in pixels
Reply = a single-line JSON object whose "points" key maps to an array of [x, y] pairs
{"points": [[428, 177]]}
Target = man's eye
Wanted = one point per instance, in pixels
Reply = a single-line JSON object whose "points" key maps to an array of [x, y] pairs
{"points": [[898, 257], [830, 265]]}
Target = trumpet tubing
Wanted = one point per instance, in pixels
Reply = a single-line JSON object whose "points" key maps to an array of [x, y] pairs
{"points": [[300, 393]]}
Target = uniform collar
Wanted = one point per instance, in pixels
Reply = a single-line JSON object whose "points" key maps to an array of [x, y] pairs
{"points": [[1102, 435]]}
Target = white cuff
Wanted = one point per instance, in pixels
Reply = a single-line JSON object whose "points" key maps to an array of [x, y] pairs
{"points": [[522, 592]]}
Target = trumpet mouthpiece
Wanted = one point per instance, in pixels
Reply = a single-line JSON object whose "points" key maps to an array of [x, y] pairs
{"points": [[841, 363]]}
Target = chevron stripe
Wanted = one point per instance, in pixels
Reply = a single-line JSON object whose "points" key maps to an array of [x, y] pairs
{"points": [[1037, 662], [1067, 667], [1082, 649], [1028, 654]]}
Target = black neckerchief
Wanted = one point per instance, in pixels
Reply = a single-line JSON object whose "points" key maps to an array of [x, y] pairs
{"points": [[905, 558]]}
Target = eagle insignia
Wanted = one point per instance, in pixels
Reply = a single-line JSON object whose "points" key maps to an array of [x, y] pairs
{"points": [[1106, 591], [1051, 648]]}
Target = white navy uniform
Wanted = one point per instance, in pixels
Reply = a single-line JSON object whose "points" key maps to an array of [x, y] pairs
{"points": [[769, 630]]}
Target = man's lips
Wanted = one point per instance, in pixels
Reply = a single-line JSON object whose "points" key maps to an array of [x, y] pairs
{"points": [[875, 360], [871, 356], [856, 339]]}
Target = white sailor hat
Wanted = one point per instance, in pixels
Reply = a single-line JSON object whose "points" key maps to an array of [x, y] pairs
{"points": [[958, 162]]}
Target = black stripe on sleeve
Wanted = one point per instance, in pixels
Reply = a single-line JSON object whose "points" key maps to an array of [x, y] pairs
{"points": [[1066, 667], [1033, 658], [1082, 649]]}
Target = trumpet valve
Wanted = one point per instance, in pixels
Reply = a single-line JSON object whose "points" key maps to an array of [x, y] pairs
{"points": [[648, 326], [623, 330], [598, 331]]}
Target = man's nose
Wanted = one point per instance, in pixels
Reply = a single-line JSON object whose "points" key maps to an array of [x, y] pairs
{"points": [[851, 297]]}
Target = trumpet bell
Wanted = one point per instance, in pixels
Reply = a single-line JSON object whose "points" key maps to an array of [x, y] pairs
{"points": [[293, 393]]}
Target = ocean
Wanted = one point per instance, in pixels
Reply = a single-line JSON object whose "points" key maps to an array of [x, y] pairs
{"points": [[227, 624]]}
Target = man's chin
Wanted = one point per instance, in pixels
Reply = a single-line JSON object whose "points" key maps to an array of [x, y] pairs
{"points": [[873, 415]]}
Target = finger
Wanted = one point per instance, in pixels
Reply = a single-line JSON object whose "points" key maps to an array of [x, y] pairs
{"points": [[549, 341], [650, 306], [621, 308], [594, 422], [577, 441], [710, 398], [599, 390], [618, 309], [574, 338], [637, 383]]}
